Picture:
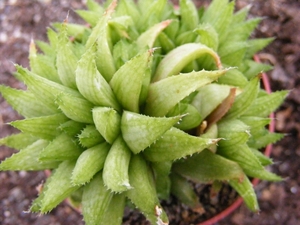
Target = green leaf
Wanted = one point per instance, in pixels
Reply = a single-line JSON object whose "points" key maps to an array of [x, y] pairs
{"points": [[214, 95], [256, 45], [66, 61], [57, 188], [197, 169], [181, 56], [248, 161], [128, 80], [176, 88], [183, 190], [99, 35], [262, 139], [175, 144], [42, 65], [24, 102], [89, 16], [95, 200], [162, 171], [107, 122], [94, 6], [71, 127], [140, 131], [44, 90], [90, 136], [18, 141], [28, 159], [244, 100], [44, 127], [89, 163], [115, 171], [234, 77], [115, 210], [264, 160], [232, 53], [189, 14], [246, 191], [90, 82], [264, 105], [208, 35], [63, 147], [143, 188], [77, 109], [147, 39]]}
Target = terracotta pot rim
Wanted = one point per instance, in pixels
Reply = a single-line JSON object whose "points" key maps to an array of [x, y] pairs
{"points": [[267, 152]]}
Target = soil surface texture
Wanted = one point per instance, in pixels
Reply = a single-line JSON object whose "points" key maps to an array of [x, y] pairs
{"points": [[22, 20]]}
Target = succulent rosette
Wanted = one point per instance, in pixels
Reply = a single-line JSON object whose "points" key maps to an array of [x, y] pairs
{"points": [[140, 102]]}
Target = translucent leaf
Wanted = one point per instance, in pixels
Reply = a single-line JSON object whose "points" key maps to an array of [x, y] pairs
{"points": [[89, 163], [107, 122], [197, 169], [90, 136], [244, 100], [91, 84], [128, 80], [144, 188], [25, 103], [176, 88], [18, 141], [71, 127], [58, 188], [28, 159], [95, 200], [63, 147], [179, 57], [140, 131], [115, 171], [44, 127], [176, 144], [246, 191]]}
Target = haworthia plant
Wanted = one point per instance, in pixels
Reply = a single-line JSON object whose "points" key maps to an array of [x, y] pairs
{"points": [[142, 103]]}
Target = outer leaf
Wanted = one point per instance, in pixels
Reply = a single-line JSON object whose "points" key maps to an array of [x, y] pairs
{"points": [[77, 109], [127, 91], [18, 141], [99, 35], [107, 122], [141, 131], [176, 144], [176, 88], [245, 189], [90, 82], [44, 127], [244, 100], [263, 106], [208, 35], [27, 159], [197, 169], [89, 163], [71, 127], [95, 200], [115, 171], [144, 188], [189, 14], [63, 147], [49, 89], [57, 189], [178, 58], [66, 61], [162, 171]]}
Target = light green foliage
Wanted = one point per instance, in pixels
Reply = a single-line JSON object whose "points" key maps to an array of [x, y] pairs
{"points": [[145, 101]]}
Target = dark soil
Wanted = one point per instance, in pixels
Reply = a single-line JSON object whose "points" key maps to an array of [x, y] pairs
{"points": [[280, 202]]}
